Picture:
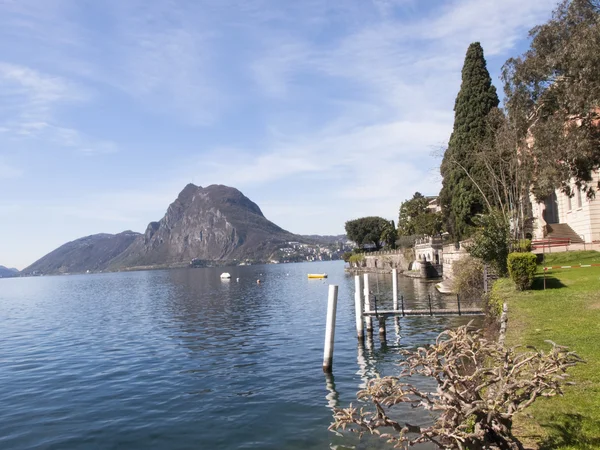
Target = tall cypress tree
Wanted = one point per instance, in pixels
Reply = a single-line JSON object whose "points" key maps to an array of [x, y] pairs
{"points": [[459, 197]]}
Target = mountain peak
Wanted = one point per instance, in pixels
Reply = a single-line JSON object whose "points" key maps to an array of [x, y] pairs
{"points": [[215, 223]]}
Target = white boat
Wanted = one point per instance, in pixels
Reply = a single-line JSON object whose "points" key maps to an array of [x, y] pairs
{"points": [[225, 276]]}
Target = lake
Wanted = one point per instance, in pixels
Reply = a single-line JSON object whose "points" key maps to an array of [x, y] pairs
{"points": [[178, 359]]}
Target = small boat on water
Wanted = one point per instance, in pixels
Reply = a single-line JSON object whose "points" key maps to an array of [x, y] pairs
{"points": [[317, 275], [225, 276]]}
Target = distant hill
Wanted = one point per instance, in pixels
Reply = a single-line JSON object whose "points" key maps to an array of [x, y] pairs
{"points": [[216, 223], [325, 240], [5, 272], [91, 253]]}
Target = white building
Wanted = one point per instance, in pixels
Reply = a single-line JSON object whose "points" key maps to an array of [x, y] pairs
{"points": [[576, 218]]}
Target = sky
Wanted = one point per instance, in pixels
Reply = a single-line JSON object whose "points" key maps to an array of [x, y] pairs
{"points": [[320, 112]]}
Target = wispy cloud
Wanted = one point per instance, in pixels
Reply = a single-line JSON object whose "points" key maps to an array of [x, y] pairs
{"points": [[31, 102], [341, 101]]}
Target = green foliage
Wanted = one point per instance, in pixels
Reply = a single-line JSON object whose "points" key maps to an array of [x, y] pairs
{"points": [[467, 280], [367, 230], [522, 267], [357, 259], [522, 246], [406, 241], [497, 295], [491, 242], [388, 236], [416, 219], [553, 97], [346, 256], [459, 197]]}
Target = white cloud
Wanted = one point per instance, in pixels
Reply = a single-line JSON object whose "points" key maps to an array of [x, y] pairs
{"points": [[30, 103], [344, 98]]}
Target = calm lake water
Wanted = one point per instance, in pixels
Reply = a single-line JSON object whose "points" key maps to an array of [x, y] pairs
{"points": [[179, 359]]}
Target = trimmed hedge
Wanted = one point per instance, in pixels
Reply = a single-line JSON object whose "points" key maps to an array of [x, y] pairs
{"points": [[522, 267]]}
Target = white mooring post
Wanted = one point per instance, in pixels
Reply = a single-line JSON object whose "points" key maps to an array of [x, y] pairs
{"points": [[368, 305], [358, 309], [395, 288], [330, 328]]}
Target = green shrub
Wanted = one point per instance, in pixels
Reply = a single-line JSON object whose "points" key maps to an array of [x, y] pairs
{"points": [[491, 242], [522, 267], [467, 279], [346, 256], [357, 260], [495, 299], [522, 246]]}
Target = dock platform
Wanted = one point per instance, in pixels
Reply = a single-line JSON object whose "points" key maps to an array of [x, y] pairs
{"points": [[425, 312]]}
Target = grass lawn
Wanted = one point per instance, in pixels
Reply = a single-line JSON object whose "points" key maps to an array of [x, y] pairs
{"points": [[568, 313]]}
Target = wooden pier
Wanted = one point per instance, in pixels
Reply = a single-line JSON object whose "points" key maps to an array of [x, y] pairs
{"points": [[424, 312], [366, 309]]}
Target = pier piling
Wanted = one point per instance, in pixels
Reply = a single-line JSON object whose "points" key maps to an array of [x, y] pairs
{"points": [[368, 304], [358, 309], [395, 287], [330, 328], [382, 331]]}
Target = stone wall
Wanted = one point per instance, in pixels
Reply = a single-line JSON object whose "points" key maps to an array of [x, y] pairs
{"points": [[429, 249], [386, 260], [452, 253]]}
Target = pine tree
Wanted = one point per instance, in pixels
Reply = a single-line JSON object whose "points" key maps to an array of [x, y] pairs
{"points": [[459, 197]]}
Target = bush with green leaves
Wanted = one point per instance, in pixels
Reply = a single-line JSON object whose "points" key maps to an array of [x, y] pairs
{"points": [[495, 300], [522, 246], [357, 260], [491, 242], [346, 256], [467, 280], [522, 267]]}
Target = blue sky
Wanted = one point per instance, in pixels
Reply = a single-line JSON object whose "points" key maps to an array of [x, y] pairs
{"points": [[318, 111]]}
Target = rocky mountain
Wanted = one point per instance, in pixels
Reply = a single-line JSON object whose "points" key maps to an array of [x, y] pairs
{"points": [[216, 223], [5, 272], [213, 223], [91, 253]]}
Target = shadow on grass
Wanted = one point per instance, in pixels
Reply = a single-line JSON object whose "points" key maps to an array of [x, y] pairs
{"points": [[551, 283], [567, 430]]}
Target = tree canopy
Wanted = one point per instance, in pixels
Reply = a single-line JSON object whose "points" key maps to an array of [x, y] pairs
{"points": [[367, 230], [459, 197], [553, 98], [417, 219]]}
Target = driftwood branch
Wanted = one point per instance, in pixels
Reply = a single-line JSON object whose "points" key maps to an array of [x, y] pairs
{"points": [[481, 385]]}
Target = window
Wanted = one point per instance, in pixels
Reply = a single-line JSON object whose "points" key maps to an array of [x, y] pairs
{"points": [[579, 198], [569, 203]]}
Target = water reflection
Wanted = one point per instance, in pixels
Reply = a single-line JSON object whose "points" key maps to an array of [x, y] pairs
{"points": [[397, 330], [333, 396]]}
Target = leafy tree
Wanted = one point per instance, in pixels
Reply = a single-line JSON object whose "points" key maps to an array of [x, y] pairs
{"points": [[389, 234], [367, 230], [459, 197], [553, 98], [491, 242], [417, 219], [504, 178]]}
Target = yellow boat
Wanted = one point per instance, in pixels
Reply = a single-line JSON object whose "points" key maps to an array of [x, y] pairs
{"points": [[317, 275]]}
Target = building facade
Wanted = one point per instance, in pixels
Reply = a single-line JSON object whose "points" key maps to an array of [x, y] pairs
{"points": [[561, 216]]}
